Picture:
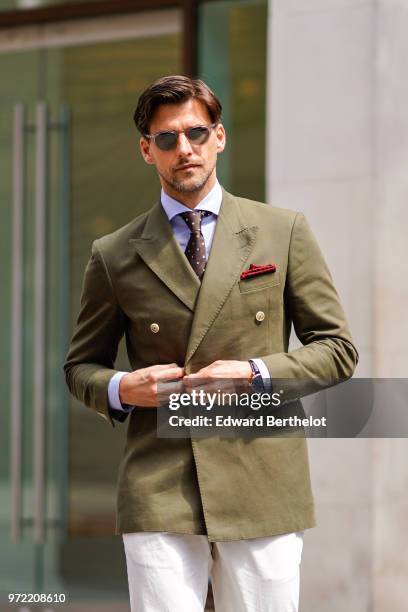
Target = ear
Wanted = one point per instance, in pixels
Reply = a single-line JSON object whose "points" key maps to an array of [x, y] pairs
{"points": [[221, 138], [144, 144]]}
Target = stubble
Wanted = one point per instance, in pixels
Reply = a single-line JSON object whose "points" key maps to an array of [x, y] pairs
{"points": [[189, 184]]}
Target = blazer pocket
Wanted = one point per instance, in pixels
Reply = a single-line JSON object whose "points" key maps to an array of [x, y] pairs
{"points": [[256, 283]]}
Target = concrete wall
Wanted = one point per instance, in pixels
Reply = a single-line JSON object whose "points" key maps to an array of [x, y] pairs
{"points": [[338, 151], [390, 457]]}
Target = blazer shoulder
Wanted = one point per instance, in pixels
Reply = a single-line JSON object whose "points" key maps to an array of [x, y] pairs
{"points": [[261, 212]]}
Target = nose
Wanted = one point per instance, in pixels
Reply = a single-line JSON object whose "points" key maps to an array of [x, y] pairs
{"points": [[184, 145]]}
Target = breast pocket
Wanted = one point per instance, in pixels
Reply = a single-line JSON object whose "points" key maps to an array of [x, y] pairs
{"points": [[256, 283]]}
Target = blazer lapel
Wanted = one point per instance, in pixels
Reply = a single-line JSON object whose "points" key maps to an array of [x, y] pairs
{"points": [[232, 244], [160, 251]]}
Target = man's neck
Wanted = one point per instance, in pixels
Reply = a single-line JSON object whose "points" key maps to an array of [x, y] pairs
{"points": [[193, 198]]}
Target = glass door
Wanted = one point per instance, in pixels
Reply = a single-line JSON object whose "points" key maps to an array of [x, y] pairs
{"points": [[71, 171], [232, 59]]}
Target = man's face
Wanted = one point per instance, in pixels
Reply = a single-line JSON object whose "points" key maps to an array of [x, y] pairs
{"points": [[169, 164]]}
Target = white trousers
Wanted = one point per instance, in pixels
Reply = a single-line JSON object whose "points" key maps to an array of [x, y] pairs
{"points": [[169, 572]]}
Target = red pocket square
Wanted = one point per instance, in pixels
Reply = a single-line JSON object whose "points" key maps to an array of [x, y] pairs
{"points": [[255, 270]]}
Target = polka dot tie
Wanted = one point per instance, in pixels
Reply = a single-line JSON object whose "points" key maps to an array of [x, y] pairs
{"points": [[195, 250]]}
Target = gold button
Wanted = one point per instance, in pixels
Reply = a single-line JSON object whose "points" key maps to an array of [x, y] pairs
{"points": [[260, 316], [154, 328]]}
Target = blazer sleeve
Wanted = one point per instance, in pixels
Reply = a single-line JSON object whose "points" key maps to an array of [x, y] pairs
{"points": [[89, 364], [328, 355]]}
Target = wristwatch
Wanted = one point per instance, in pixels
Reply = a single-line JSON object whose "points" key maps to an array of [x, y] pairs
{"points": [[256, 380]]}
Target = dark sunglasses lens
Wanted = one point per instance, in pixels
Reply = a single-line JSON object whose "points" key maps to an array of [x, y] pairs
{"points": [[198, 135], [166, 140]]}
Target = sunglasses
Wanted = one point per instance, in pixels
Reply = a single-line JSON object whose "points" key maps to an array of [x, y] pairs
{"points": [[166, 141]]}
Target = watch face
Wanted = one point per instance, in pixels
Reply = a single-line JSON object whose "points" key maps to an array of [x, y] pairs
{"points": [[257, 383], [254, 368]]}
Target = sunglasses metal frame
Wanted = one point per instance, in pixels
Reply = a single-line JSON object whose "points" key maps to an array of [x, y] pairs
{"points": [[177, 132]]}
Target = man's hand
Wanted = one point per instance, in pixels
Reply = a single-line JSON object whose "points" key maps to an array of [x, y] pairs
{"points": [[139, 388], [223, 369], [219, 376]]}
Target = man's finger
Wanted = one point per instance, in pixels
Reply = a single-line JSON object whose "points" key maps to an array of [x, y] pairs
{"points": [[203, 373], [170, 372], [163, 366], [195, 381]]}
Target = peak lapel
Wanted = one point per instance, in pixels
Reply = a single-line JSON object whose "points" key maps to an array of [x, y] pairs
{"points": [[233, 242], [160, 251]]}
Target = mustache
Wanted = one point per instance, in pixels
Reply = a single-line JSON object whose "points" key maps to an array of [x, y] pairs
{"points": [[187, 163]]}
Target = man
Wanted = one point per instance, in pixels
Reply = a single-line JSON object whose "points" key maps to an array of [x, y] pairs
{"points": [[180, 283]]}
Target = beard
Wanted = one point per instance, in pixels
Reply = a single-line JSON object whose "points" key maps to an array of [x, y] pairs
{"points": [[190, 184]]}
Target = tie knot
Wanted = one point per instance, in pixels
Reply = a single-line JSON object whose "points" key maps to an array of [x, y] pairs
{"points": [[193, 219]]}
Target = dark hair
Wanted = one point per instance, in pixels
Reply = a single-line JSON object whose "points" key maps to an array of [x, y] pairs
{"points": [[174, 89]]}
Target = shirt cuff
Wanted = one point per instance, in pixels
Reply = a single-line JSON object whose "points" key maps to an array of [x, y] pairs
{"points": [[266, 378], [113, 393]]}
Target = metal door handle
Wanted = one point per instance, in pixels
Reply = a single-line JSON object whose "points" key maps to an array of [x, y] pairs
{"points": [[39, 319], [16, 323], [41, 129]]}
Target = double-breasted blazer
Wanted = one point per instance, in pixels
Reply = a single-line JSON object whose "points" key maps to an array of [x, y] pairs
{"points": [[226, 488]]}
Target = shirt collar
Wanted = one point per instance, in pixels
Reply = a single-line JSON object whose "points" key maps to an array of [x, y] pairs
{"points": [[211, 202]]}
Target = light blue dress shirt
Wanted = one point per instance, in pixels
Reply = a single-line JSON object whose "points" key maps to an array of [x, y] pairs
{"points": [[172, 208]]}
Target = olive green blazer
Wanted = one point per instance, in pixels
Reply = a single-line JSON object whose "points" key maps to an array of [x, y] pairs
{"points": [[227, 488]]}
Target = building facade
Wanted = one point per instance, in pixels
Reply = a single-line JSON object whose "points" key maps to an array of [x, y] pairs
{"points": [[71, 171]]}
